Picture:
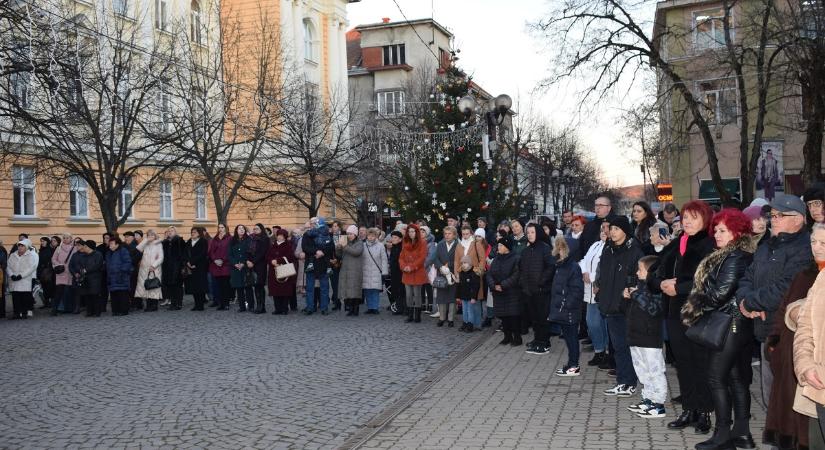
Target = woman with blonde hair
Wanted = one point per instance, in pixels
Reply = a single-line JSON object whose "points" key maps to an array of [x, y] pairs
{"points": [[150, 267], [566, 300]]}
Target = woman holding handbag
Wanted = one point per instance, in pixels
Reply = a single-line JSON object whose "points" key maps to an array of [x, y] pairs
{"points": [[351, 275], [150, 268], [281, 255], [728, 371], [240, 277]]}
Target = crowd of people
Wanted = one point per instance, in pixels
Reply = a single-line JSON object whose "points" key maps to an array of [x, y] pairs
{"points": [[706, 290]]}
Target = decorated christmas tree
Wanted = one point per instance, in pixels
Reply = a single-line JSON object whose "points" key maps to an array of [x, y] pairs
{"points": [[444, 172]]}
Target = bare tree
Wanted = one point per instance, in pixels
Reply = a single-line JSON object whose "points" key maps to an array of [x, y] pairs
{"points": [[90, 113], [641, 134], [229, 98], [607, 42]]}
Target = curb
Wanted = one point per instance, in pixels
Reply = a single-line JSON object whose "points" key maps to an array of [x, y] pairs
{"points": [[378, 422]]}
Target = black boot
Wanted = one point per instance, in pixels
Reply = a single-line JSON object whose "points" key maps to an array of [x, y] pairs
{"points": [[721, 439], [336, 304], [151, 305], [355, 307], [260, 307], [508, 338], [409, 315], [223, 305], [686, 419], [250, 303], [598, 358], [417, 315], [348, 306], [741, 433], [703, 424], [516, 337]]}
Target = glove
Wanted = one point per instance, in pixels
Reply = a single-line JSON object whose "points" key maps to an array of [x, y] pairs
{"points": [[16, 277]]}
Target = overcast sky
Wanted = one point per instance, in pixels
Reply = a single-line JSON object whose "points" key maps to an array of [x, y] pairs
{"points": [[500, 53]]}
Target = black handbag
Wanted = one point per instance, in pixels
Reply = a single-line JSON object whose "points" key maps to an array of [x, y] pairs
{"points": [[151, 282], [711, 330], [440, 282]]}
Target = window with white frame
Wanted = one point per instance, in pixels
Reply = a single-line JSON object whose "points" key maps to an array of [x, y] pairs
{"points": [[165, 199], [196, 26], [21, 88], [309, 41], [161, 14], [394, 55], [709, 28], [124, 204], [390, 103], [164, 109], [23, 184], [200, 201], [120, 7], [720, 100], [78, 197]]}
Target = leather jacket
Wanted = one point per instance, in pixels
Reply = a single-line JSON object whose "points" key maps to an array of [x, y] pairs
{"points": [[722, 281]]}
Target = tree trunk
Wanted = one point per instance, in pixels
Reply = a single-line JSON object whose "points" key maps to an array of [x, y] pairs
{"points": [[812, 149]]}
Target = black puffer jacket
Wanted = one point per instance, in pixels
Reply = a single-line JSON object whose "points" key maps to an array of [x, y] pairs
{"points": [[618, 261], [91, 266], [536, 268], [504, 271], [722, 281], [567, 298], [682, 268], [775, 264], [644, 317]]}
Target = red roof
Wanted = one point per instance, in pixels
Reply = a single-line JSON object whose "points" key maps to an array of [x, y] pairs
{"points": [[353, 48]]}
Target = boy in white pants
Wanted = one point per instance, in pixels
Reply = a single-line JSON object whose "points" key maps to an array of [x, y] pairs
{"points": [[644, 336]]}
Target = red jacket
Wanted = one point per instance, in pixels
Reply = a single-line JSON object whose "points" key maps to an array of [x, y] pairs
{"points": [[219, 249], [413, 255]]}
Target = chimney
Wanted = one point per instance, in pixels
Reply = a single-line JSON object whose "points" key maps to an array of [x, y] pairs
{"points": [[385, 19]]}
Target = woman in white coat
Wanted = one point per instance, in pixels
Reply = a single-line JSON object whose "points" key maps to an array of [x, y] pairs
{"points": [[20, 269], [150, 263], [596, 324]]}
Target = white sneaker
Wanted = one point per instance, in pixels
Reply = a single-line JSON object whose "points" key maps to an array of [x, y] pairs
{"points": [[165, 303], [30, 313], [566, 371], [654, 411], [620, 390], [641, 406], [435, 314]]}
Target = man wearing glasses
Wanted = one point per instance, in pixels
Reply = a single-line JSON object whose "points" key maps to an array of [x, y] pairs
{"points": [[776, 261], [604, 212]]}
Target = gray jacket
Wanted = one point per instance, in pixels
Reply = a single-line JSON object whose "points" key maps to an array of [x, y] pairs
{"points": [[374, 261], [441, 257], [775, 263], [351, 275]]}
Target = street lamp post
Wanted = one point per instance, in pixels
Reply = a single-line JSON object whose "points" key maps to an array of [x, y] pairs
{"points": [[494, 112], [561, 178]]}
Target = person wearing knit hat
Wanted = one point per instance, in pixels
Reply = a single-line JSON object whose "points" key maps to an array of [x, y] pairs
{"points": [[502, 278], [352, 229], [622, 223]]}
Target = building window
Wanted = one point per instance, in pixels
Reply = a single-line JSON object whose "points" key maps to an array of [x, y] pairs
{"points": [[445, 58], [165, 199], [394, 55], [200, 201], [23, 184], [309, 41], [720, 99], [124, 206], [120, 7], [78, 197], [709, 28], [164, 107], [161, 14], [391, 103], [196, 26], [21, 88]]}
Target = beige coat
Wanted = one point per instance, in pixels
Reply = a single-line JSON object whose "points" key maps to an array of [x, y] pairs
{"points": [[809, 340], [151, 261]]}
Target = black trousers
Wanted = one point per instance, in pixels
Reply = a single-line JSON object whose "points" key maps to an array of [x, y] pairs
{"points": [[691, 368], [539, 308], [224, 291], [245, 296], [281, 304], [730, 376], [94, 304], [174, 292], [21, 303], [427, 295], [511, 324], [120, 302], [260, 296], [200, 299]]}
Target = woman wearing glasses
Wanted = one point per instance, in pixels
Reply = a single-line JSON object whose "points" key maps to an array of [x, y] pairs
{"points": [[814, 199]]}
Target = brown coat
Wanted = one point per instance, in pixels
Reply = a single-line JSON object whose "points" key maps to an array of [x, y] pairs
{"points": [[477, 253], [784, 427], [809, 341]]}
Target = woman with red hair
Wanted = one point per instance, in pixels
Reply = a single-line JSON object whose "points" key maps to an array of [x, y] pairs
{"points": [[675, 279], [729, 372]]}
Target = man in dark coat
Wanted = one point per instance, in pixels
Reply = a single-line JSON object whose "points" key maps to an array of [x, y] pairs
{"points": [[197, 262], [620, 259], [103, 249], [130, 242], [503, 279], [590, 234], [536, 269], [89, 277], [775, 263], [318, 247], [173, 259]]}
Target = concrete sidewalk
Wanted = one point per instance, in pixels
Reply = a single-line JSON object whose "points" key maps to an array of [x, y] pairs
{"points": [[500, 397]]}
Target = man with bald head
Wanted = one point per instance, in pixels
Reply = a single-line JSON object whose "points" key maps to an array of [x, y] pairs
{"points": [[604, 211]]}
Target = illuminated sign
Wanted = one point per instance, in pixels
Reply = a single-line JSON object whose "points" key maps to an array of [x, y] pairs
{"points": [[664, 192]]}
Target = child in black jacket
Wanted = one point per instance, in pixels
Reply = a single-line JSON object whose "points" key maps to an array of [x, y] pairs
{"points": [[645, 311]]}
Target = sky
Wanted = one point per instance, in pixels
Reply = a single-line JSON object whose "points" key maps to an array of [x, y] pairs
{"points": [[501, 54]]}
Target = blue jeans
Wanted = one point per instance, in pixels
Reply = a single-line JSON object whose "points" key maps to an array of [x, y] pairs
{"points": [[617, 327], [373, 298], [324, 286], [571, 338], [471, 313], [596, 327]]}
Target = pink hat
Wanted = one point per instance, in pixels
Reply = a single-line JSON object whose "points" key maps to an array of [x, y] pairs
{"points": [[352, 229], [753, 212]]}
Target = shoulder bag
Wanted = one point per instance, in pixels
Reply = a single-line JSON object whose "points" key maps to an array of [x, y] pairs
{"points": [[151, 282], [285, 270], [60, 268], [250, 278], [711, 330]]}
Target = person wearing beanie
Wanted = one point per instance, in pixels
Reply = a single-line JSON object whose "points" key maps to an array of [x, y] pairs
{"points": [[536, 268], [87, 269], [350, 277], [503, 279], [814, 198]]}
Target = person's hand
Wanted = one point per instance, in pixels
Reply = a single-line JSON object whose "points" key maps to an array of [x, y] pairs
{"points": [[239, 266], [473, 301], [274, 262], [669, 287], [586, 278], [626, 293], [218, 262], [596, 290], [319, 254], [498, 288], [250, 264], [812, 378]]}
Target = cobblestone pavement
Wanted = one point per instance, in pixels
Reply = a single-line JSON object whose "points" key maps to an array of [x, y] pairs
{"points": [[502, 398], [216, 379]]}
